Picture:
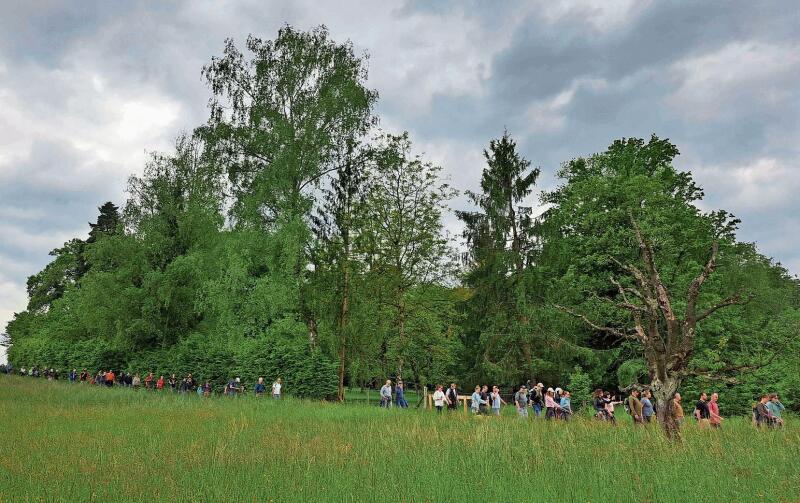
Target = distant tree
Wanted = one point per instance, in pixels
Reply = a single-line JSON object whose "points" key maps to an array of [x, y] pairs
{"points": [[403, 241], [500, 239]]}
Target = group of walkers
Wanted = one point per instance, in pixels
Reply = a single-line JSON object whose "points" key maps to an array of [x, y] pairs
{"points": [[552, 403], [188, 384]]}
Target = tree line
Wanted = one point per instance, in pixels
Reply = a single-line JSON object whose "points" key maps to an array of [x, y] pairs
{"points": [[290, 235]]}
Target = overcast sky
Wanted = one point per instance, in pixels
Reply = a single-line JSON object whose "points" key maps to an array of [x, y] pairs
{"points": [[87, 88]]}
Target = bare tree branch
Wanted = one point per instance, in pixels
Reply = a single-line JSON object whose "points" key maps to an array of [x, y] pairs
{"points": [[694, 288], [608, 330], [735, 299]]}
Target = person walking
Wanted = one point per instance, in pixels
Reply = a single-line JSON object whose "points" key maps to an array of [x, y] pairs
{"points": [[439, 399], [635, 407], [677, 409], [148, 381], [276, 389], [452, 396], [648, 412], [484, 408], [536, 399], [477, 401], [775, 408], [701, 412], [713, 411], [566, 405], [763, 415], [400, 395], [521, 402], [160, 383], [173, 383], [136, 382], [386, 394], [497, 400], [260, 388], [550, 404]]}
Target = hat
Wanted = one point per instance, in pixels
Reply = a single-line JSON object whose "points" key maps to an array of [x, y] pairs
{"points": [[540, 385], [238, 380], [549, 390], [559, 390]]}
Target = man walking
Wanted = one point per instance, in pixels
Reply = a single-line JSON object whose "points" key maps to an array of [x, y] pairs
{"points": [[521, 402], [386, 394], [452, 396], [635, 407], [701, 412]]}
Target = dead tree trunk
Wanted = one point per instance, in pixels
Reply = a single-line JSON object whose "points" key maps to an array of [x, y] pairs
{"points": [[667, 338]]}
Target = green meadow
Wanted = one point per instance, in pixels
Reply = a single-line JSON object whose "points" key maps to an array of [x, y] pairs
{"points": [[62, 442]]}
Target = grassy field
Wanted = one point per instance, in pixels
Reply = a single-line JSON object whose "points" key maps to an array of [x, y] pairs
{"points": [[61, 442]]}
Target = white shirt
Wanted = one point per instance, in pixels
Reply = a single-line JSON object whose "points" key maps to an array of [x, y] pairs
{"points": [[276, 388], [438, 398]]}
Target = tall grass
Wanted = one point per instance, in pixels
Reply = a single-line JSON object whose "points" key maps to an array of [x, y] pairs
{"points": [[62, 442]]}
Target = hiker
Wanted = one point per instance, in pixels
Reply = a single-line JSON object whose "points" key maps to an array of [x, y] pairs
{"points": [[200, 390], [452, 396], [521, 402], [276, 389], [439, 399], [635, 406], [550, 404], [110, 378], [677, 409], [148, 381], [484, 408], [496, 400], [713, 412], [566, 405], [190, 382], [599, 403], [73, 376], [386, 394], [536, 399], [476, 401], [400, 395], [775, 407], [136, 382], [233, 386], [610, 402], [701, 413], [763, 415], [647, 406], [207, 388], [260, 387], [173, 383], [129, 380], [121, 379], [160, 383]]}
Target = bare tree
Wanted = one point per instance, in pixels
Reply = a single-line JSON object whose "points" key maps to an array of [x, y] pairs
{"points": [[667, 336]]}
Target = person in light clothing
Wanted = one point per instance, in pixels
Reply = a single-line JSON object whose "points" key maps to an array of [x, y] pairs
{"points": [[276, 389], [439, 399], [496, 400], [386, 394], [477, 401]]}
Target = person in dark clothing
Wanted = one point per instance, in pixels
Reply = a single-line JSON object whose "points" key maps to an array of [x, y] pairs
{"points": [[484, 407], [452, 397], [701, 412], [763, 415], [173, 383]]}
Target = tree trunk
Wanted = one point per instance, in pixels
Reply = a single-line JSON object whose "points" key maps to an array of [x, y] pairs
{"points": [[343, 319], [664, 392], [401, 328]]}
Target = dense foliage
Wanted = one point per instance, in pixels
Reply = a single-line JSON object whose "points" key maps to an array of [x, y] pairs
{"points": [[289, 237]]}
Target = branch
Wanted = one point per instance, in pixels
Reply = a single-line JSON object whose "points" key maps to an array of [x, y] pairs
{"points": [[608, 330], [694, 288], [733, 300], [655, 278]]}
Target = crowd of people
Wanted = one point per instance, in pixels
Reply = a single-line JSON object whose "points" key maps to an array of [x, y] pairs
{"points": [[109, 378], [552, 403]]}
